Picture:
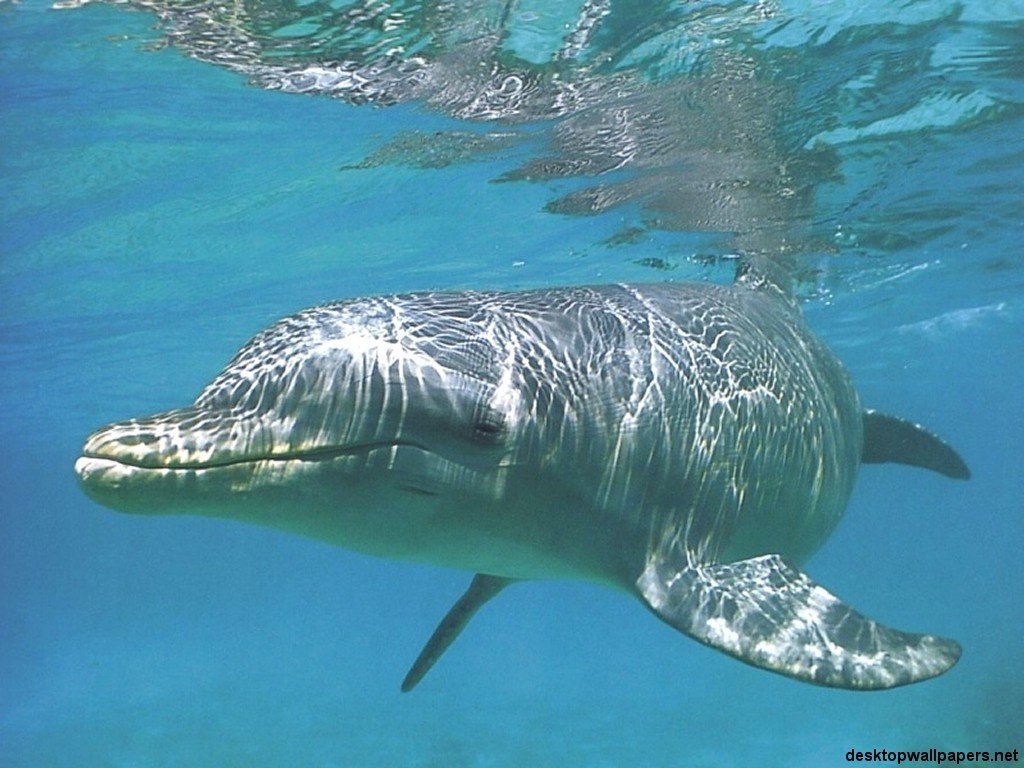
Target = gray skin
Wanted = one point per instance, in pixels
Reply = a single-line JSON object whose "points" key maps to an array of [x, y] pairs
{"points": [[687, 444]]}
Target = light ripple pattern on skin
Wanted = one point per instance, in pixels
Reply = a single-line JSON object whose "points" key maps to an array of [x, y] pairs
{"points": [[683, 443]]}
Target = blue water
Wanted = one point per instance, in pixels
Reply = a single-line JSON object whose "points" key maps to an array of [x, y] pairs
{"points": [[157, 210]]}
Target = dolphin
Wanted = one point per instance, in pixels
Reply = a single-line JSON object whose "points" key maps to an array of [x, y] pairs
{"points": [[688, 444]]}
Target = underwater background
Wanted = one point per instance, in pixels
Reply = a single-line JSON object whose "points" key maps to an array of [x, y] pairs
{"points": [[177, 175]]}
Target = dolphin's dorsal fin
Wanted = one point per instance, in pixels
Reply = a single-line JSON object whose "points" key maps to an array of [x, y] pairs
{"points": [[888, 439], [767, 273], [768, 614], [481, 589]]}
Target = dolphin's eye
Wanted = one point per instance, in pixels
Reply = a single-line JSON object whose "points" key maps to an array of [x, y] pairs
{"points": [[489, 429]]}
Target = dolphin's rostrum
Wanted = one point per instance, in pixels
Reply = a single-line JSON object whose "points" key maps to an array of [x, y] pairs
{"points": [[688, 444]]}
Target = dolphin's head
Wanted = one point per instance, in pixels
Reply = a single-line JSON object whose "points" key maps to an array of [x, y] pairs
{"points": [[357, 405]]}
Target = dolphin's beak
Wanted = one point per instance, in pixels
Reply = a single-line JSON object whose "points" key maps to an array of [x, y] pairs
{"points": [[138, 464], [186, 438], [196, 458]]}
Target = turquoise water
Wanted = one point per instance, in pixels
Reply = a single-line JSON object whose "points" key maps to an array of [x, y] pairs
{"points": [[158, 210]]}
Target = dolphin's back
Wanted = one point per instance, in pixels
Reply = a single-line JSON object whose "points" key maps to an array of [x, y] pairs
{"points": [[702, 414], [709, 413]]}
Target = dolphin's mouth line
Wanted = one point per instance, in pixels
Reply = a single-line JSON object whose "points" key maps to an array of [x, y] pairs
{"points": [[325, 453]]}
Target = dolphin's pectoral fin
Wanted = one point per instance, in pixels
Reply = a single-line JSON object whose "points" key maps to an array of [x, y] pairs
{"points": [[481, 589], [768, 614], [888, 439]]}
